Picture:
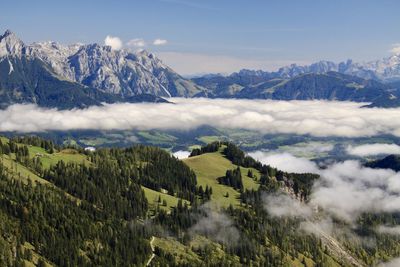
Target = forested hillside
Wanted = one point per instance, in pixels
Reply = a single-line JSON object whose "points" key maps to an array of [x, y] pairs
{"points": [[64, 206]]}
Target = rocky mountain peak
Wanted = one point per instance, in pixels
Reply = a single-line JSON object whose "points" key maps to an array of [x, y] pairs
{"points": [[7, 33], [10, 44]]}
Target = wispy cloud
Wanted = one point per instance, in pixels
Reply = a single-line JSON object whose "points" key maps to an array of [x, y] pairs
{"points": [[159, 42], [181, 154], [216, 225], [282, 205], [392, 230], [395, 49], [137, 42], [392, 263], [348, 189]]}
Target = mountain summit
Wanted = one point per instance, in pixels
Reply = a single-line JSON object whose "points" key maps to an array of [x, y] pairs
{"points": [[10, 44]]}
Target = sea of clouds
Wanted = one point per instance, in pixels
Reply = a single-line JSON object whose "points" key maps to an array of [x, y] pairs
{"points": [[373, 149], [317, 118]]}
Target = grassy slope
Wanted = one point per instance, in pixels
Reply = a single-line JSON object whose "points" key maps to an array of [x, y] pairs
{"points": [[35, 256], [209, 138], [187, 255], [67, 155], [70, 155], [156, 137], [181, 253], [20, 171], [152, 197], [209, 167]]}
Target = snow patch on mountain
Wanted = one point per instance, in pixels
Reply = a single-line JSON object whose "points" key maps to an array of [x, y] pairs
{"points": [[11, 67]]}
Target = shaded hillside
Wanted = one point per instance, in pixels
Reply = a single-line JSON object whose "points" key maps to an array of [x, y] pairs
{"points": [[389, 162]]}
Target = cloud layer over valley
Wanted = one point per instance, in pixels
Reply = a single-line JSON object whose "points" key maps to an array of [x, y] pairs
{"points": [[317, 118], [373, 149]]}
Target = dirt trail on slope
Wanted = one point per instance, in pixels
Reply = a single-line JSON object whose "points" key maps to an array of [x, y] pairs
{"points": [[152, 251]]}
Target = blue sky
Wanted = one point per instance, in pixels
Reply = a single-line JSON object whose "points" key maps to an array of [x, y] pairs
{"points": [[217, 35]]}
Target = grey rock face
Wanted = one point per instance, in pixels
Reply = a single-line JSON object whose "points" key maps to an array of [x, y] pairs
{"points": [[118, 72]]}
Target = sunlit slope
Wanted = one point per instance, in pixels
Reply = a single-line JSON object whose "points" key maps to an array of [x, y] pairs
{"points": [[71, 155], [210, 166], [161, 200]]}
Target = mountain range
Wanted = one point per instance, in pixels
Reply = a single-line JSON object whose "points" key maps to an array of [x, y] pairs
{"points": [[79, 75], [54, 75], [386, 69], [309, 86]]}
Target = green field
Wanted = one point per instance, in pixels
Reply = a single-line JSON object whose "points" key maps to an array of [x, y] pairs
{"points": [[22, 173], [209, 138], [98, 141], [209, 167], [157, 137]]}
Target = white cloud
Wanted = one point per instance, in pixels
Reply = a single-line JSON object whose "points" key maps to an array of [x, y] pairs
{"points": [[317, 118], [181, 154], [192, 63], [373, 149], [286, 162], [392, 263], [310, 150], [216, 225], [319, 228], [282, 205], [395, 49], [114, 42], [348, 189], [392, 230], [137, 42], [159, 42]]}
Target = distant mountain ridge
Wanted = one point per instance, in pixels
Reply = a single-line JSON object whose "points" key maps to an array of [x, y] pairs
{"points": [[310, 86], [375, 81], [66, 76], [386, 69]]}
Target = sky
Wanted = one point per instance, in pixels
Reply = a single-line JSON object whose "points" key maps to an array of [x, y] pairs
{"points": [[204, 36]]}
